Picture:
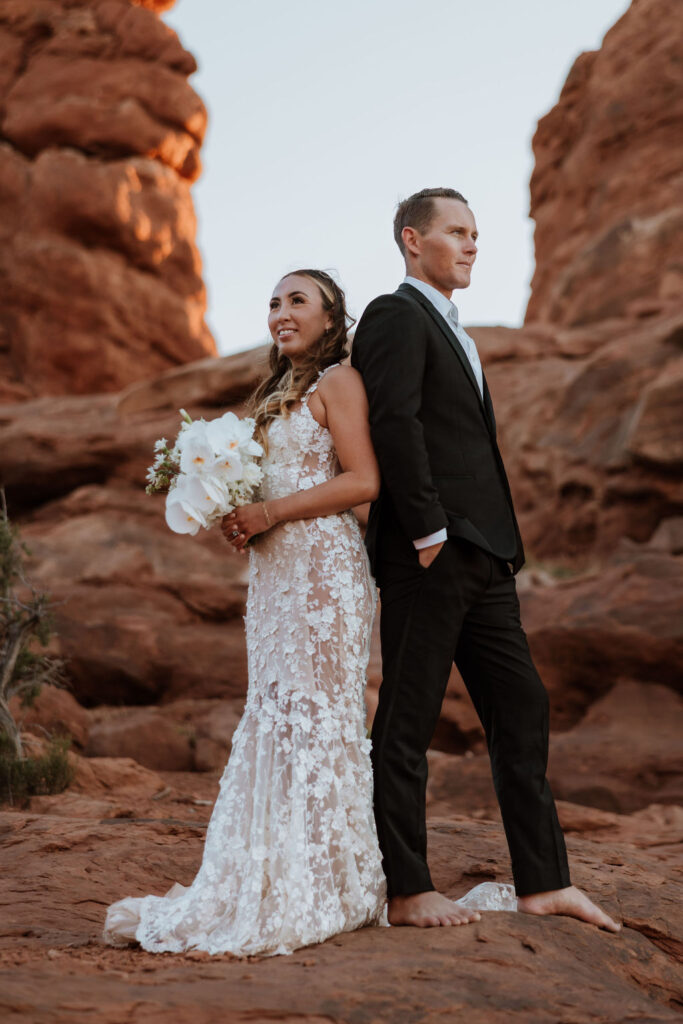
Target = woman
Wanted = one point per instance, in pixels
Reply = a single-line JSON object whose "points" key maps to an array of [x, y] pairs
{"points": [[291, 855]]}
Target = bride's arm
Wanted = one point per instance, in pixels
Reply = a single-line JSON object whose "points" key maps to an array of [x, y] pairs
{"points": [[345, 413]]}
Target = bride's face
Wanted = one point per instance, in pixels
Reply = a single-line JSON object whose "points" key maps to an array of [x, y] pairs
{"points": [[297, 318]]}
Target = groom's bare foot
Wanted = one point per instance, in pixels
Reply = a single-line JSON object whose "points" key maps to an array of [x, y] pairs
{"points": [[569, 902], [429, 910]]}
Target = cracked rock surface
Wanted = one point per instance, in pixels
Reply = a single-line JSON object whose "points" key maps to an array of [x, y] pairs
{"points": [[508, 967]]}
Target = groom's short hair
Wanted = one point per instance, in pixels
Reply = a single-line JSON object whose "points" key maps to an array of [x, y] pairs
{"points": [[417, 211]]}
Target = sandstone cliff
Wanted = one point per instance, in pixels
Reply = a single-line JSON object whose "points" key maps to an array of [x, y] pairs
{"points": [[100, 277], [607, 188]]}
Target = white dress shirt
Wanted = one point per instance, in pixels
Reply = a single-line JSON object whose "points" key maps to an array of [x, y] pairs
{"points": [[449, 311]]}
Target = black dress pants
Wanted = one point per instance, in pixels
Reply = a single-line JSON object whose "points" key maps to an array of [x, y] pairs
{"points": [[462, 608]]}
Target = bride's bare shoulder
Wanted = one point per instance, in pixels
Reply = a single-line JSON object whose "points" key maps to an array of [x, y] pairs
{"points": [[341, 381]]}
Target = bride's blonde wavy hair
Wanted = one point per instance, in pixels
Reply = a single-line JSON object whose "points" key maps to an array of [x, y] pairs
{"points": [[286, 384]]}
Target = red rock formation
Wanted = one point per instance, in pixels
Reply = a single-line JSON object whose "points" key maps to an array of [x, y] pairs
{"points": [[589, 425], [100, 278], [606, 188]]}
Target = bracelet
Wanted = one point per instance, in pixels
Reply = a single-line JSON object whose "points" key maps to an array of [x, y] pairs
{"points": [[266, 516]]}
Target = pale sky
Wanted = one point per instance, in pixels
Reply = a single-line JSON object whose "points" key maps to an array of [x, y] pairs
{"points": [[323, 115]]}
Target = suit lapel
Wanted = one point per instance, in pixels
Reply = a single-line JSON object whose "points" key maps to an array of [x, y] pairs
{"points": [[456, 346]]}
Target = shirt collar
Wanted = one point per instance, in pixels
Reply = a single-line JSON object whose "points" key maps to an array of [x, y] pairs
{"points": [[439, 301]]}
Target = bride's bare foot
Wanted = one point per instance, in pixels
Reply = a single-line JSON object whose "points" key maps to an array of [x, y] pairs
{"points": [[429, 910], [569, 902]]}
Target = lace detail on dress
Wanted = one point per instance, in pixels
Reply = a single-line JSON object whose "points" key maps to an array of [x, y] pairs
{"points": [[291, 855], [490, 896]]}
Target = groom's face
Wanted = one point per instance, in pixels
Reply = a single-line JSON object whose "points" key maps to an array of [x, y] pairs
{"points": [[445, 253]]}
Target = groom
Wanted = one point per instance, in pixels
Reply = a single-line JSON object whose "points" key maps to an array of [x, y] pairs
{"points": [[444, 545]]}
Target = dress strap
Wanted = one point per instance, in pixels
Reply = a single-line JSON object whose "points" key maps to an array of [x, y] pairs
{"points": [[309, 391]]}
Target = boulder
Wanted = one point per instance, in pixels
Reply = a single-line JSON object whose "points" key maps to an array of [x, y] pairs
{"points": [[626, 752], [55, 712], [114, 777], [623, 756], [619, 621], [143, 735], [186, 735], [658, 825]]}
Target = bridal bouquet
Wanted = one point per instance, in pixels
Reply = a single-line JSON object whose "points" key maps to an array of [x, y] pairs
{"points": [[209, 470]]}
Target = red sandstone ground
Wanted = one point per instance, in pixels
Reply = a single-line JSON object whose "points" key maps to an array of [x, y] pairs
{"points": [[509, 967]]}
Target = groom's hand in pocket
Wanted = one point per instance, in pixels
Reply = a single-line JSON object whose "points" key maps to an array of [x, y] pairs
{"points": [[427, 555]]}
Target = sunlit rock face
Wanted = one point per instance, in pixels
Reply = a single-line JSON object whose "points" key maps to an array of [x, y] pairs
{"points": [[100, 277], [606, 192]]}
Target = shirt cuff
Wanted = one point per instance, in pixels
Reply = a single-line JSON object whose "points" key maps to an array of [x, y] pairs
{"points": [[434, 538]]}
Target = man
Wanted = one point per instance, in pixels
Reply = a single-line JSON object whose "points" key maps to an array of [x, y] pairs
{"points": [[444, 545]]}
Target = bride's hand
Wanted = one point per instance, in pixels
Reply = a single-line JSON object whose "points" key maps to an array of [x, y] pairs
{"points": [[243, 523]]}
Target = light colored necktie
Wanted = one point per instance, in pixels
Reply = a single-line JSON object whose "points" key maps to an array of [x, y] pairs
{"points": [[469, 347]]}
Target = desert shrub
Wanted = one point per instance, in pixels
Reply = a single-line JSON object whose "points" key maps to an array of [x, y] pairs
{"points": [[21, 777], [25, 627]]}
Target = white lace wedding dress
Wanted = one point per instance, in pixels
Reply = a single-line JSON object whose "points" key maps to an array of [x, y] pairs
{"points": [[291, 855]]}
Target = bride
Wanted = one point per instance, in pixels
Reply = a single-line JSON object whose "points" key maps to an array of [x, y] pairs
{"points": [[291, 855]]}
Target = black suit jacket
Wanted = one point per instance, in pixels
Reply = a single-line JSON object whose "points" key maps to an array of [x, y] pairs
{"points": [[434, 435]]}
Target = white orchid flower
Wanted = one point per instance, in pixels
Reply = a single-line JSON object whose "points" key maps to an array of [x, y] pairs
{"points": [[229, 466], [248, 446], [188, 505], [230, 432], [223, 433], [196, 429], [251, 447], [216, 489], [196, 452], [181, 519]]}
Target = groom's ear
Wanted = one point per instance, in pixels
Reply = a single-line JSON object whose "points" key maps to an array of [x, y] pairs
{"points": [[411, 240]]}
